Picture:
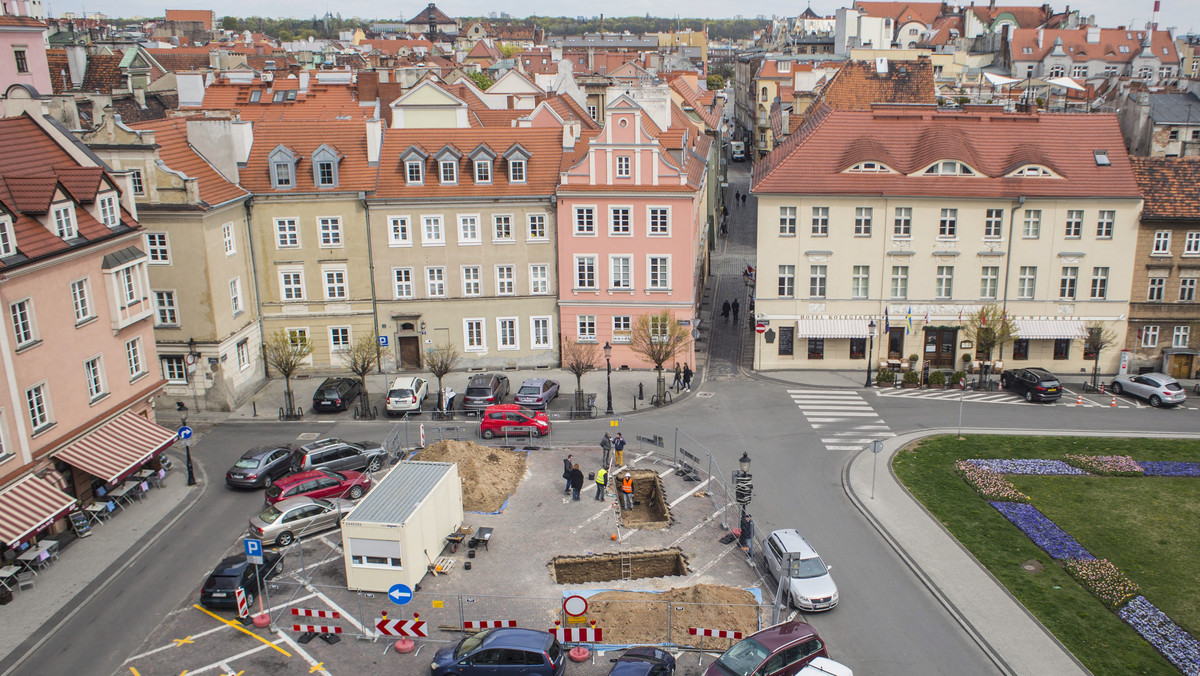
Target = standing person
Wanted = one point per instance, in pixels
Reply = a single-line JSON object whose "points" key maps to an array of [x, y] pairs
{"points": [[601, 480], [576, 482], [619, 447], [736, 307], [687, 377], [678, 382], [737, 195], [627, 491], [725, 310], [744, 200], [606, 446], [725, 224], [567, 462]]}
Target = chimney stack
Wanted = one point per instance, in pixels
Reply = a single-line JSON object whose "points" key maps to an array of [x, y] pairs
{"points": [[1154, 21]]}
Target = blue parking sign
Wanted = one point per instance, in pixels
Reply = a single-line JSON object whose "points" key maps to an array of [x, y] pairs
{"points": [[383, 341], [254, 550]]}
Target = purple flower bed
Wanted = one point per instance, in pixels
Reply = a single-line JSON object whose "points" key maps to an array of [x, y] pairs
{"points": [[1044, 532], [1169, 468], [1027, 466], [1175, 644]]}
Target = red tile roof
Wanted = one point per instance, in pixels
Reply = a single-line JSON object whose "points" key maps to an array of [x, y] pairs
{"points": [[1170, 186], [1076, 46], [10, 21], [175, 152], [902, 12], [203, 15], [348, 138], [1026, 17], [182, 59], [857, 84], [909, 138], [320, 102]]}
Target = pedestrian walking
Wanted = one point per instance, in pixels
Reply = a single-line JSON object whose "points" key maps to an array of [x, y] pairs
{"points": [[567, 462], [725, 310], [601, 481], [606, 447], [737, 195], [725, 224], [736, 307], [576, 480], [627, 491], [678, 382], [619, 447], [743, 200], [687, 377]]}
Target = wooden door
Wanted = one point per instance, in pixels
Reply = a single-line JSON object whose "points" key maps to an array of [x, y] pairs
{"points": [[410, 352], [939, 347], [1181, 365]]}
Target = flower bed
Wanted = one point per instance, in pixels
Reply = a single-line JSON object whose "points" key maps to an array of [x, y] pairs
{"points": [[988, 483], [1103, 580], [1027, 466], [1167, 468], [1159, 631], [1106, 465], [1044, 532]]}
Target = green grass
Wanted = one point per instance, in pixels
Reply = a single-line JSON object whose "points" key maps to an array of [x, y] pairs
{"points": [[1146, 526]]}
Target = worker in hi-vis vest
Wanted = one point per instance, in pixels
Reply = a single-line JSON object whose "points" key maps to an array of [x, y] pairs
{"points": [[601, 481], [627, 491]]}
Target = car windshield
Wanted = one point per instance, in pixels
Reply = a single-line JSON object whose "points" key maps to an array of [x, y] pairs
{"points": [[479, 391], [744, 657], [246, 463], [470, 643], [270, 514], [400, 394], [336, 475], [324, 503], [1174, 387], [526, 412], [274, 491], [808, 568], [330, 394], [529, 389], [221, 582]]}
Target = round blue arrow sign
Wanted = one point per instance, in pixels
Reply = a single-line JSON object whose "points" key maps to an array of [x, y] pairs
{"points": [[400, 594], [185, 432]]}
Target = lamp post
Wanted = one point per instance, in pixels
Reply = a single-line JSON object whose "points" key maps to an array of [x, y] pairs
{"points": [[187, 445], [608, 361], [743, 492], [870, 350]]}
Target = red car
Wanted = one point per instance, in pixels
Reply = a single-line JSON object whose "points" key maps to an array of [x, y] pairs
{"points": [[781, 650], [320, 483], [511, 419]]}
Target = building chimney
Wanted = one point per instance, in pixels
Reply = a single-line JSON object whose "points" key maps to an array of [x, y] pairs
{"points": [[374, 141], [76, 64], [1154, 20]]}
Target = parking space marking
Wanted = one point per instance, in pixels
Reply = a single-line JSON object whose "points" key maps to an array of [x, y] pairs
{"points": [[333, 606], [710, 564], [693, 529], [240, 628], [313, 665], [224, 663], [690, 493], [597, 515]]}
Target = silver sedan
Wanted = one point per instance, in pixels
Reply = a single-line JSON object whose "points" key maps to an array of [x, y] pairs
{"points": [[1156, 388], [283, 521]]}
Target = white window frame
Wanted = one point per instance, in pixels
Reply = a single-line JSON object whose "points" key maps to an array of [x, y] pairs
{"points": [[1031, 227], [135, 358], [993, 224], [65, 225], [575, 269], [944, 282], [989, 282], [1187, 290], [337, 290], [502, 229], [93, 373], [860, 281], [1180, 336], [448, 172], [1098, 289], [658, 221], [483, 171], [862, 221], [539, 279], [171, 309], [1191, 241], [787, 221], [534, 222], [472, 282], [23, 322], [400, 231], [297, 285], [1106, 223], [1027, 282], [581, 227], [1068, 283], [435, 281], [581, 322], [624, 166], [899, 288], [235, 296], [539, 336], [433, 231], [1162, 243], [948, 224], [171, 364], [243, 354], [1156, 289], [820, 221], [902, 223], [109, 214], [81, 300], [787, 281], [1150, 336], [471, 342], [329, 232], [626, 228], [468, 230], [658, 280], [416, 167], [517, 171], [136, 182], [158, 248], [818, 281], [287, 233], [620, 272], [506, 280], [398, 284], [1074, 224], [336, 346], [502, 340], [43, 417], [8, 237], [228, 241]]}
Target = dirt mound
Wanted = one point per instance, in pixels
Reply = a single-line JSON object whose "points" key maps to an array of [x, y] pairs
{"points": [[641, 617], [489, 475]]}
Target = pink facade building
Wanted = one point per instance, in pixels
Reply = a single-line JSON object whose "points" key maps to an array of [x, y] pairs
{"points": [[23, 68], [632, 223]]}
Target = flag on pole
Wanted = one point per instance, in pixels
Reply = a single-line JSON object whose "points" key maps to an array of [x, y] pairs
{"points": [[908, 329], [926, 315], [982, 317], [887, 326]]}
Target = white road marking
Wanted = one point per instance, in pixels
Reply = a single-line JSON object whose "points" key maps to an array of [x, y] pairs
{"points": [[302, 652], [333, 606], [690, 493], [213, 630], [224, 664]]}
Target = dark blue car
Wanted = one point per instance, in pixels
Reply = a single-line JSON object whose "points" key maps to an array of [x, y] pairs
{"points": [[644, 661], [502, 651]]}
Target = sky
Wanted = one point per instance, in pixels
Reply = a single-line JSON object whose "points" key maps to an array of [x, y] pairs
{"points": [[1182, 14]]}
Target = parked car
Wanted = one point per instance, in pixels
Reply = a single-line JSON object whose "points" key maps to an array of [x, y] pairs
{"points": [[780, 650], [1156, 388], [483, 390], [335, 394], [1034, 383], [281, 522], [220, 589], [507, 650], [260, 467], [808, 585], [536, 393], [643, 661], [512, 419], [339, 455], [320, 483], [407, 395]]}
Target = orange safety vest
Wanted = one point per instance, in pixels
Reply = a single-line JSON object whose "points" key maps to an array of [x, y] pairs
{"points": [[627, 484]]}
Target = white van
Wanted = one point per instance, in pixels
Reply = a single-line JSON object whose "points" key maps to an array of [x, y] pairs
{"points": [[737, 151]]}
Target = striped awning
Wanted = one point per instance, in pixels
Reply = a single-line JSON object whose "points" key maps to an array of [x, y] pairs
{"points": [[1050, 329], [118, 447], [58, 480], [832, 328], [28, 506]]}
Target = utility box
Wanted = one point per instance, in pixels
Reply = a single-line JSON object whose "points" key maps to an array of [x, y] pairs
{"points": [[401, 525]]}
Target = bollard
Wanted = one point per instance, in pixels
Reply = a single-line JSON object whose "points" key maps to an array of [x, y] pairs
{"points": [[254, 408], [641, 394]]}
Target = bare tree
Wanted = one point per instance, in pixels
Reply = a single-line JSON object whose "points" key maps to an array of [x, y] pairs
{"points": [[658, 338], [1098, 337], [579, 358], [441, 359], [286, 353], [360, 358], [991, 329]]}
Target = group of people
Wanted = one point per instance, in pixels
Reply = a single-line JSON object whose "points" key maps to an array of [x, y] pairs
{"points": [[727, 306], [739, 197], [683, 378], [574, 476]]}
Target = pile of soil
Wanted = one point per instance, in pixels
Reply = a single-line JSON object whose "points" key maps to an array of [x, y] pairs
{"points": [[641, 617], [489, 475]]}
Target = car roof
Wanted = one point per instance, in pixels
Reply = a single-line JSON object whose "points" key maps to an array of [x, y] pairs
{"points": [[793, 541], [784, 633], [499, 408], [1040, 371], [482, 377], [534, 381], [1158, 376], [515, 637], [319, 444], [333, 381], [259, 451], [293, 479], [284, 505], [404, 383], [233, 565]]}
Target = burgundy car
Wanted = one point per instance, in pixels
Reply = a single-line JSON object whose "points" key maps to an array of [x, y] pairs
{"points": [[781, 650], [320, 483]]}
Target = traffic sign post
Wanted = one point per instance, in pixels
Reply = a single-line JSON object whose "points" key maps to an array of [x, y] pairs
{"points": [[760, 327], [383, 341], [575, 605], [254, 551], [243, 608], [876, 448]]}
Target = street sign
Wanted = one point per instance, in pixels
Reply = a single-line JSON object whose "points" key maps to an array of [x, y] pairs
{"points": [[184, 432], [383, 341], [760, 327], [254, 552], [401, 627], [575, 605], [243, 608], [400, 594], [876, 446]]}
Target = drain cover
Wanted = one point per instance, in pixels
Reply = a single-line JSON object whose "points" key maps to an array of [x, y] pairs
{"points": [[704, 395], [308, 436]]}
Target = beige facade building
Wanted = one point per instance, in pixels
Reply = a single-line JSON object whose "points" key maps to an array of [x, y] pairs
{"points": [[915, 218]]}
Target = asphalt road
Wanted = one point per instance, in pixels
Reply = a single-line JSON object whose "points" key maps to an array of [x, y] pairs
{"points": [[887, 623]]}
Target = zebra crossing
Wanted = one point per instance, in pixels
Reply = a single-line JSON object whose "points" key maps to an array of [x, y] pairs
{"points": [[1002, 397], [842, 418]]}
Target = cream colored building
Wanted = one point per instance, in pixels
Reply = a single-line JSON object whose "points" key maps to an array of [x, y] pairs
{"points": [[914, 218]]}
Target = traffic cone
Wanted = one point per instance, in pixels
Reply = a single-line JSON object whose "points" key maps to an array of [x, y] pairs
{"points": [[1114, 402], [1101, 388], [1079, 401]]}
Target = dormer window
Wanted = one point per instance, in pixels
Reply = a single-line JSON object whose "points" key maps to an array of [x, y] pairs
{"points": [[871, 168], [483, 171], [108, 211], [949, 168], [64, 221], [8, 239], [784, 66], [1124, 49], [325, 167], [414, 172], [283, 168], [447, 159], [1032, 171], [516, 171], [1027, 50], [449, 171]]}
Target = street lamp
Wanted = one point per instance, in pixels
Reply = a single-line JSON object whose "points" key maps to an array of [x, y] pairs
{"points": [[187, 445], [870, 350], [743, 491], [608, 361]]}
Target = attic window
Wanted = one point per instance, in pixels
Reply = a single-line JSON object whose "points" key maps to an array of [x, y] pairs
{"points": [[256, 96], [483, 171], [516, 170], [449, 171], [1164, 51], [949, 168], [278, 97], [1124, 49], [1027, 50], [291, 95], [64, 221], [283, 168], [8, 239], [414, 173], [325, 167], [784, 66], [1032, 171], [1102, 158], [870, 167]]}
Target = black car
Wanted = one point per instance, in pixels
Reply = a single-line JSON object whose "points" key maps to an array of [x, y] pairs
{"points": [[483, 390], [335, 454], [260, 467], [335, 394], [219, 590], [1035, 384], [644, 661]]}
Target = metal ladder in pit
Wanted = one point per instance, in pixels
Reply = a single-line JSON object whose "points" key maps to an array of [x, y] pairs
{"points": [[626, 567]]}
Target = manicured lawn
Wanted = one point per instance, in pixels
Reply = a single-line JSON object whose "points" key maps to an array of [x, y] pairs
{"points": [[1146, 526]]}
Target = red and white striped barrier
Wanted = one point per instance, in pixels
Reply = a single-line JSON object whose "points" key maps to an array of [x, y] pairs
{"points": [[401, 627], [422, 428], [327, 614], [316, 628], [578, 634], [243, 608], [719, 633], [488, 624]]}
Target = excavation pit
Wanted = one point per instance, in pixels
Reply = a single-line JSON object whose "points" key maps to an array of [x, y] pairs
{"points": [[604, 567], [650, 509]]}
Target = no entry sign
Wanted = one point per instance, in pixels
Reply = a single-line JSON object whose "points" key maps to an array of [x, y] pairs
{"points": [[760, 327]]}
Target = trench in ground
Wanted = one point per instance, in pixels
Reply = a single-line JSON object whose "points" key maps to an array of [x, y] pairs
{"points": [[603, 567]]}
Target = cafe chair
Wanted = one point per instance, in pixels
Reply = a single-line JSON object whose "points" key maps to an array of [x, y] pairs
{"points": [[25, 580]]}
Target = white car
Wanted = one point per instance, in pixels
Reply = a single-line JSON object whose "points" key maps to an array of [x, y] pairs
{"points": [[406, 395], [823, 666], [808, 584], [1156, 388]]}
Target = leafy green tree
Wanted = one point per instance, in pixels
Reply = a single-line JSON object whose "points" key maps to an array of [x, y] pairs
{"points": [[229, 23], [715, 83], [481, 79]]}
